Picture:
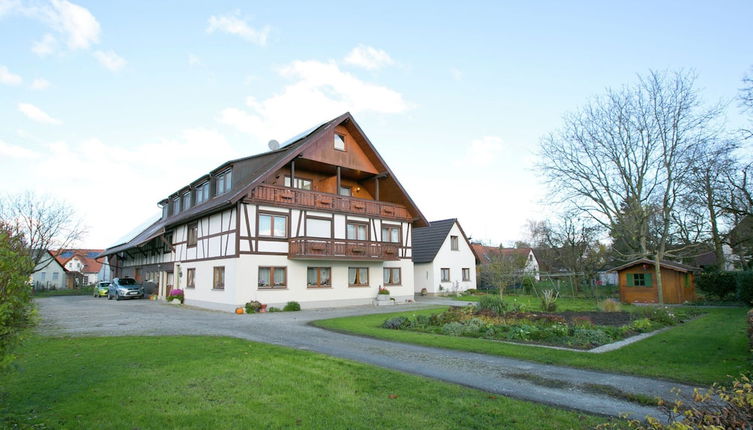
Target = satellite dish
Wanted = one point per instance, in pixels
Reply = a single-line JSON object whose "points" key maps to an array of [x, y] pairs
{"points": [[273, 145]]}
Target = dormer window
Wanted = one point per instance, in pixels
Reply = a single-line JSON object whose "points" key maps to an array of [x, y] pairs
{"points": [[176, 206], [186, 200], [224, 182], [202, 192], [339, 142]]}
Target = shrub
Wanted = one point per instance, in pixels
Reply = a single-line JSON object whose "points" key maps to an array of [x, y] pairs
{"points": [[384, 291], [660, 314], [453, 329], [274, 309], [494, 304], [16, 308], [421, 321], [549, 300], [291, 307], [589, 337], [424, 291], [642, 325], [395, 323], [583, 322], [744, 285], [610, 305], [719, 407], [176, 294], [719, 284], [253, 306]]}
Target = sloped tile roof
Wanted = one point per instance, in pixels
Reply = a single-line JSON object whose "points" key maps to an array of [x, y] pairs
{"points": [[426, 241]]}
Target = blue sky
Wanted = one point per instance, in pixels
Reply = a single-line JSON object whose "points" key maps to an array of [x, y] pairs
{"points": [[117, 104]]}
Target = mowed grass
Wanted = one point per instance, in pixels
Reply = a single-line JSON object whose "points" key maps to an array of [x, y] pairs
{"points": [[211, 382], [702, 351], [82, 291]]}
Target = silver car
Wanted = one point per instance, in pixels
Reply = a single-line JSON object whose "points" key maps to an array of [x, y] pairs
{"points": [[125, 288]]}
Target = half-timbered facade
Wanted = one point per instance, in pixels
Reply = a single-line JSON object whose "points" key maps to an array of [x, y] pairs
{"points": [[321, 220]]}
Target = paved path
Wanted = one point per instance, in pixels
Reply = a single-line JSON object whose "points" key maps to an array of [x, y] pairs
{"points": [[555, 385]]}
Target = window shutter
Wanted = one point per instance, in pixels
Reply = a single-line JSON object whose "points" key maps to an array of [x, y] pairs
{"points": [[630, 280], [648, 280]]}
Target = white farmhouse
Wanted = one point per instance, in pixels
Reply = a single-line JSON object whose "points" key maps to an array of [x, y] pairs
{"points": [[321, 220], [444, 260]]}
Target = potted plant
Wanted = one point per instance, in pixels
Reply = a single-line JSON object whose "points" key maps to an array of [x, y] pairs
{"points": [[383, 295], [176, 294], [253, 306], [424, 291]]}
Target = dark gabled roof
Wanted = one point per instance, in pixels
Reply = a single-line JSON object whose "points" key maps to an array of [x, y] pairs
{"points": [[258, 168], [427, 241], [664, 263]]}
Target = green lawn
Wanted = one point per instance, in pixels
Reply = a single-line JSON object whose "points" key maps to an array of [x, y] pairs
{"points": [[83, 291], [704, 350], [211, 382]]}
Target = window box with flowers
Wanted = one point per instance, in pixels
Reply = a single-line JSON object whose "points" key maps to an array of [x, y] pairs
{"points": [[176, 294]]}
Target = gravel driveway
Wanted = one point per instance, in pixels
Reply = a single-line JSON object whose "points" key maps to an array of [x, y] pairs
{"points": [[554, 385]]}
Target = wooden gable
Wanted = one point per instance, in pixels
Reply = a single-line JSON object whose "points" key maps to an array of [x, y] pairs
{"points": [[354, 156]]}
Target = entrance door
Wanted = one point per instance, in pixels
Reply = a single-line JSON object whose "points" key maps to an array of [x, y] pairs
{"points": [[169, 284]]}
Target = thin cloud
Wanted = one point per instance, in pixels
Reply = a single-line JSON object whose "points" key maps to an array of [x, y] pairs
{"points": [[36, 114], [110, 60], [319, 91], [8, 78], [70, 24], [233, 24], [368, 57], [481, 152], [40, 84], [13, 151]]}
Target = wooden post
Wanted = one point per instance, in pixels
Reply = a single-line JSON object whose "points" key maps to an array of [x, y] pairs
{"points": [[376, 193], [338, 181]]}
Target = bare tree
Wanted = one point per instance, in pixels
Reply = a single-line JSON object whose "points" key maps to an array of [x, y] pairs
{"points": [[572, 243], [624, 159], [45, 223], [746, 99]]}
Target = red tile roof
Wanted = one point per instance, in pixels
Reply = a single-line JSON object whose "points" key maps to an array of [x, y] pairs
{"points": [[85, 256], [488, 253]]}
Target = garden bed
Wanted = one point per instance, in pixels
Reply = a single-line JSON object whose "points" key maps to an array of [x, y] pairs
{"points": [[571, 329]]}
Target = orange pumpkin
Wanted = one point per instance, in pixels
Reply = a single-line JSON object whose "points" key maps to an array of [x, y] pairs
{"points": [[239, 310]]}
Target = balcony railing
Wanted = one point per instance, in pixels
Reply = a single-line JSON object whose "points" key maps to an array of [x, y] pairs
{"points": [[341, 249], [294, 197]]}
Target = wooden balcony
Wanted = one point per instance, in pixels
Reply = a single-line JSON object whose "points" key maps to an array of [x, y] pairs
{"points": [[296, 198], [341, 249]]}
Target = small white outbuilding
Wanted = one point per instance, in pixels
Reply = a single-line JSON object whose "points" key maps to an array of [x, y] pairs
{"points": [[443, 258]]}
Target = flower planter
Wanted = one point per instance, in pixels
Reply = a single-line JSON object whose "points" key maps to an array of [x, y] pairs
{"points": [[383, 297]]}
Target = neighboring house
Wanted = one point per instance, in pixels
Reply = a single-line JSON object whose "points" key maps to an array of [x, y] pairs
{"points": [[443, 258], [85, 262], [50, 274], [490, 254], [637, 281], [321, 220]]}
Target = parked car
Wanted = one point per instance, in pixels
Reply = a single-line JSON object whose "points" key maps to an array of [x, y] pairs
{"points": [[125, 288], [100, 290]]}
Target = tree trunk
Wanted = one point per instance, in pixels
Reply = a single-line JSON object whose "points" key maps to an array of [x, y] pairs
{"points": [[659, 287]]}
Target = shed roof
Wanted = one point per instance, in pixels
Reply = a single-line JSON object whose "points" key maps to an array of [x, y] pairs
{"points": [[679, 267]]}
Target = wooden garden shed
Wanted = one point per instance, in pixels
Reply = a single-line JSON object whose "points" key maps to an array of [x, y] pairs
{"points": [[637, 281]]}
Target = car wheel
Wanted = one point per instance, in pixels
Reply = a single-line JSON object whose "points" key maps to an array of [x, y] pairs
{"points": [[117, 296]]}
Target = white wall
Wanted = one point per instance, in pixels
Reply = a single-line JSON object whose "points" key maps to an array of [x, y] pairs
{"points": [[45, 278], [428, 275]]}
